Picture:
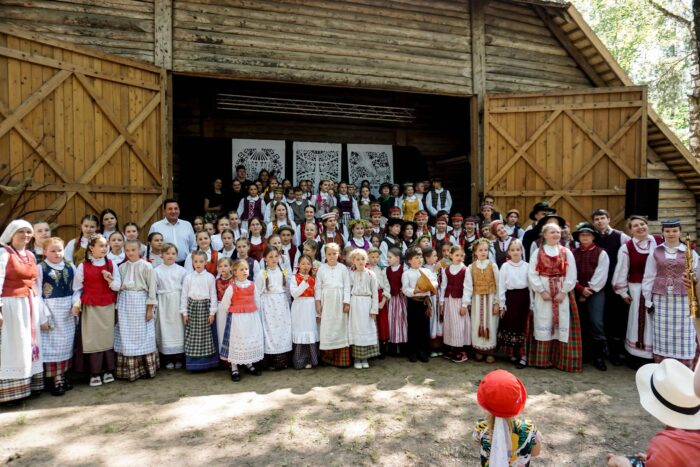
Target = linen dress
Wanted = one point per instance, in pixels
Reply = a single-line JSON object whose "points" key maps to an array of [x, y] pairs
{"points": [[170, 331], [364, 302], [276, 316], [481, 315], [332, 289], [304, 327]]}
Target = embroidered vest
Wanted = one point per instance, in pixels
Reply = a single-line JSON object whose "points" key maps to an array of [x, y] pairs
{"points": [[309, 292], [394, 279], [552, 266], [364, 245], [96, 291], [256, 251], [221, 286], [669, 273], [55, 283], [410, 208], [336, 238], [20, 275], [252, 209], [78, 252], [586, 263], [638, 262], [483, 280], [298, 211], [455, 283], [243, 299], [345, 207]]}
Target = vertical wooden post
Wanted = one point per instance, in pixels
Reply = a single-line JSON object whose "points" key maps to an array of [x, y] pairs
{"points": [[166, 130], [479, 91], [163, 47]]}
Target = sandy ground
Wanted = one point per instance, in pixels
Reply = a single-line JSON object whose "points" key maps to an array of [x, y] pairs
{"points": [[395, 413]]}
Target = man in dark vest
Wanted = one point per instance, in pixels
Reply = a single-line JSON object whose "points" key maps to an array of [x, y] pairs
{"points": [[438, 199], [539, 210], [616, 310]]}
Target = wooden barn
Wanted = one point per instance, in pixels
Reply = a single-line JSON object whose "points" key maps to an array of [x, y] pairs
{"points": [[117, 103]]}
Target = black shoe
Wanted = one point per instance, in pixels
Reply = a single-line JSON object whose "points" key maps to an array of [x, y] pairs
{"points": [[599, 363], [253, 370], [413, 358], [520, 364], [67, 384], [423, 357], [615, 360], [58, 389], [235, 376]]}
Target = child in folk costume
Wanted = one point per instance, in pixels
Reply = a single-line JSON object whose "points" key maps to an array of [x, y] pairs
{"points": [[555, 338], [441, 236], [481, 296], [364, 307], [457, 232], [228, 249], [397, 301], [116, 252], [418, 305], [95, 287], [385, 199], [288, 250], [409, 203], [299, 205], [309, 218], [135, 330], [224, 277], [57, 294], [242, 250], [422, 228], [42, 232], [304, 325], [390, 240], [499, 246], [333, 305], [512, 226], [331, 233], [251, 206], [221, 224], [514, 303], [21, 369], [256, 239], [438, 198], [384, 294], [274, 309], [666, 296], [323, 201], [204, 245], [77, 248], [270, 210], [347, 204], [454, 307], [357, 229], [154, 249], [503, 439], [469, 237], [198, 306], [364, 203], [280, 218], [283, 257], [243, 341], [627, 282], [170, 330], [592, 265], [408, 234], [131, 232], [436, 319]]}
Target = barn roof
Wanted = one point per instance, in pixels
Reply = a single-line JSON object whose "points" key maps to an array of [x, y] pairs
{"points": [[603, 70]]}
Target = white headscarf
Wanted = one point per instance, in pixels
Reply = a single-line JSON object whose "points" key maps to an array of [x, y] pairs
{"points": [[12, 228], [501, 443]]}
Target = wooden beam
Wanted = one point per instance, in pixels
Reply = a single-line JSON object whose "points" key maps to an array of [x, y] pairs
{"points": [[120, 189], [163, 47], [479, 90], [565, 42], [476, 168], [166, 131]]}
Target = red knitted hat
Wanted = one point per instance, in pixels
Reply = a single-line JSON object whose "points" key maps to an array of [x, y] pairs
{"points": [[502, 394]]}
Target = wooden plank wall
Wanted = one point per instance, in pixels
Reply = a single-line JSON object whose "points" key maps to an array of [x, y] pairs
{"points": [[121, 27], [522, 54], [85, 126], [409, 45], [675, 200]]}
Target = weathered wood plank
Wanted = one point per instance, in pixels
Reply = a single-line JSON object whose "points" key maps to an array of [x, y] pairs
{"points": [[163, 47]]}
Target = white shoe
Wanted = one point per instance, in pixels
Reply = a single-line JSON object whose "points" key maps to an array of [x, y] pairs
{"points": [[170, 366], [358, 365], [178, 365], [107, 378], [433, 354], [365, 364], [95, 381], [308, 366]]}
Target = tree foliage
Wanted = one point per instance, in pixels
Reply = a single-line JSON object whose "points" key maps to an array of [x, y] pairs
{"points": [[651, 39]]}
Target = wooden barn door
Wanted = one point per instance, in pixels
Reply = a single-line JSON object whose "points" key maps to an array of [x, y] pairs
{"points": [[575, 149], [84, 128]]}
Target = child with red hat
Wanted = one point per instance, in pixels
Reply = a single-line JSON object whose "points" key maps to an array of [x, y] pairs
{"points": [[505, 440]]}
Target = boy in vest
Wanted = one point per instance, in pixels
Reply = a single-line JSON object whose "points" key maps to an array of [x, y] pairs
{"points": [[298, 205], [438, 199], [592, 265]]}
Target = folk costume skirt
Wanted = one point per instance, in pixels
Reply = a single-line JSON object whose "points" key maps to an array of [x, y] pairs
{"points": [[674, 333], [243, 342], [170, 331], [200, 338], [513, 324], [383, 320], [277, 329], [566, 356], [484, 324], [640, 325], [58, 342], [457, 328], [398, 325], [305, 354]]}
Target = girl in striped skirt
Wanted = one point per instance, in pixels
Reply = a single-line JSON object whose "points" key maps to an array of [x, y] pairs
{"points": [[398, 326], [198, 305], [57, 293], [135, 331], [453, 308]]}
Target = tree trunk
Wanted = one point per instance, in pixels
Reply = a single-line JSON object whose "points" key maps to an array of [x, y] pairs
{"points": [[694, 97]]}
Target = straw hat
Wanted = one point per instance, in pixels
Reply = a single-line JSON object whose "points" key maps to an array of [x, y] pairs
{"points": [[424, 284], [666, 392], [502, 394]]}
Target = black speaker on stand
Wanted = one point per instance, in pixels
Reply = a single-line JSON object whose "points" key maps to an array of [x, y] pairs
{"points": [[642, 197]]}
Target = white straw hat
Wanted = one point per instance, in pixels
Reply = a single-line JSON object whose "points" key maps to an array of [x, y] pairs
{"points": [[666, 392]]}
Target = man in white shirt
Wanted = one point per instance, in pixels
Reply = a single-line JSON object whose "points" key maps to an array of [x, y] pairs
{"points": [[175, 230], [438, 199]]}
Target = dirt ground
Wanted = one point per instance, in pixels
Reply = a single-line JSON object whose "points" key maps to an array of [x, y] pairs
{"points": [[395, 413]]}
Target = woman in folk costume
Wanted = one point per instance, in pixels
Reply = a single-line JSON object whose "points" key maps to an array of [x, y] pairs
{"points": [[627, 283], [57, 294], [333, 305], [21, 367], [409, 203], [95, 286], [274, 309], [364, 308], [170, 331], [304, 325], [42, 232], [555, 331], [135, 332], [503, 439], [481, 295], [666, 296], [251, 206], [499, 246]]}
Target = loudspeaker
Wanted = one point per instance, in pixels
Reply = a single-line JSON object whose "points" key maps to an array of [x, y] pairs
{"points": [[642, 197]]}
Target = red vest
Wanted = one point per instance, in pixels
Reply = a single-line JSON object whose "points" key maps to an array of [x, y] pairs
{"points": [[586, 263], [211, 265], [394, 278], [96, 291], [243, 299], [455, 283], [20, 276], [638, 261], [309, 292]]}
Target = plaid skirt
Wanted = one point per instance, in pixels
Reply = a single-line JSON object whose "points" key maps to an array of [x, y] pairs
{"points": [[363, 352], [305, 354], [133, 335], [133, 368], [337, 357], [673, 330], [276, 361], [200, 337], [54, 369], [564, 356], [13, 389]]}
